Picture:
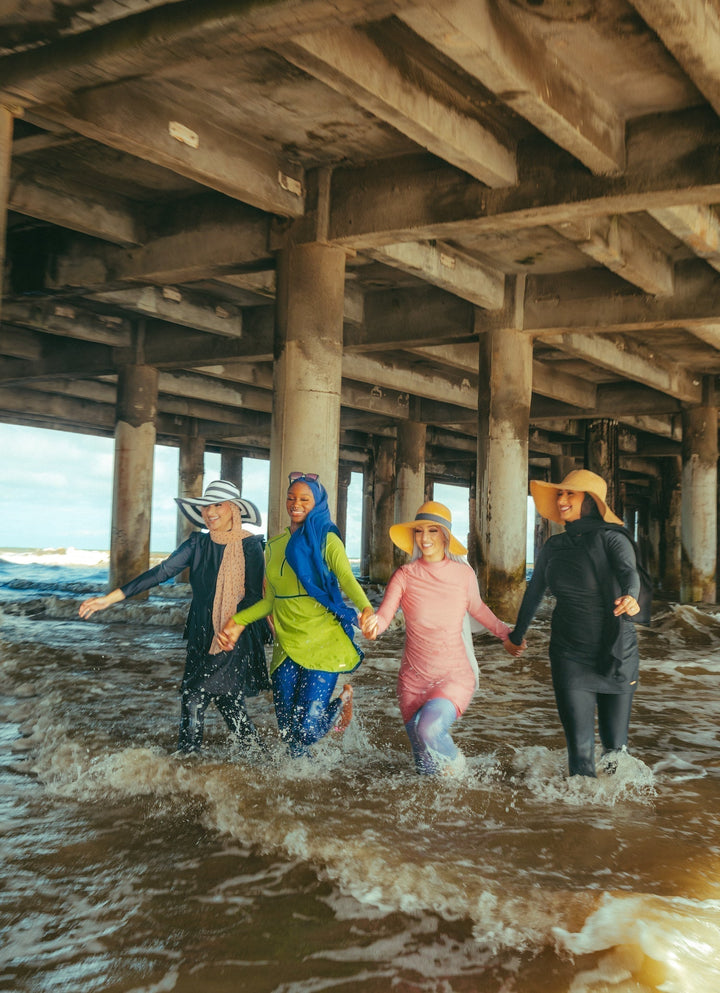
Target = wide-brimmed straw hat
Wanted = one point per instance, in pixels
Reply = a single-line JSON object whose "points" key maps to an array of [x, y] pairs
{"points": [[403, 535], [579, 481], [218, 492]]}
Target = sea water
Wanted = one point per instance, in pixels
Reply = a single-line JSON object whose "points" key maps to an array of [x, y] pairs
{"points": [[126, 868]]}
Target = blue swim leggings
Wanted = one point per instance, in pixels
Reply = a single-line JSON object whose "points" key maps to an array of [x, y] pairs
{"points": [[302, 704], [431, 744]]}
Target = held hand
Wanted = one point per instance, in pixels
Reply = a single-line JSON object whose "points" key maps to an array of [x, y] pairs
{"points": [[370, 626], [514, 650], [227, 638], [626, 605], [362, 618]]}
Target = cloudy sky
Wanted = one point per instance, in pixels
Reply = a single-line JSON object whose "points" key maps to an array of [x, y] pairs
{"points": [[56, 492]]}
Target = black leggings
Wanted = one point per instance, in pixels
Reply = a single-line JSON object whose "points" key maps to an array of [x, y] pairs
{"points": [[194, 703], [577, 713]]}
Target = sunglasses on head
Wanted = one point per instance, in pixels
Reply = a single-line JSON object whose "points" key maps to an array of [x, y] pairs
{"points": [[294, 477]]}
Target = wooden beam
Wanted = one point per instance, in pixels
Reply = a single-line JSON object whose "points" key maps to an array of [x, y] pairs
{"points": [[444, 388], [211, 239], [174, 305], [129, 117], [671, 160], [589, 302], [444, 266], [140, 44], [77, 209], [695, 224], [405, 318], [691, 31], [616, 243], [353, 63], [632, 362], [489, 44], [68, 320]]}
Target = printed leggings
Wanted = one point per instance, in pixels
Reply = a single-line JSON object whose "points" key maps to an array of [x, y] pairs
{"points": [[302, 704], [577, 714], [194, 703], [431, 744]]}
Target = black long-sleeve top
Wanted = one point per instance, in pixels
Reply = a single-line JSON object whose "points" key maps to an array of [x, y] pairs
{"points": [[242, 670], [586, 570]]}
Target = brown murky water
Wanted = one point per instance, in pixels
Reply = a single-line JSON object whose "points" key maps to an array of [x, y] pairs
{"points": [[127, 869]]}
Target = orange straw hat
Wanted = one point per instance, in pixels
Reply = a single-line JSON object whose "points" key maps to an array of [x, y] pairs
{"points": [[403, 535], [579, 481]]}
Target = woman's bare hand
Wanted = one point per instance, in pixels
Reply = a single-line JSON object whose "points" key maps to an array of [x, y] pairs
{"points": [[369, 624], [227, 638], [515, 650], [94, 603], [626, 605]]}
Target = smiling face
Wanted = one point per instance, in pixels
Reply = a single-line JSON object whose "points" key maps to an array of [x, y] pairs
{"points": [[569, 504], [218, 516], [431, 540], [300, 501]]}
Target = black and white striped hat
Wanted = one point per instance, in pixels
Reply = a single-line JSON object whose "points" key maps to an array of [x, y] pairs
{"points": [[218, 492]]}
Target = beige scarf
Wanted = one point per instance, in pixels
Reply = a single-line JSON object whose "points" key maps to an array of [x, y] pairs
{"points": [[230, 586]]}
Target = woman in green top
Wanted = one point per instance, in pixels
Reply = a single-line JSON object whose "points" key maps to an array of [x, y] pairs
{"points": [[306, 567]]}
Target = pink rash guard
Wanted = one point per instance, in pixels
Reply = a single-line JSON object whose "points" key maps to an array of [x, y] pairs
{"points": [[435, 598]]}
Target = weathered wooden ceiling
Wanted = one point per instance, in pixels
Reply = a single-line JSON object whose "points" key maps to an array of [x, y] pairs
{"points": [[549, 165]]}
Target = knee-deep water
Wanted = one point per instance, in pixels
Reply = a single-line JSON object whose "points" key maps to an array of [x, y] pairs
{"points": [[126, 868]]}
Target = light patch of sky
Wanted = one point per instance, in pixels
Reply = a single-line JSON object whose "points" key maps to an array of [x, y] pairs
{"points": [[56, 492]]}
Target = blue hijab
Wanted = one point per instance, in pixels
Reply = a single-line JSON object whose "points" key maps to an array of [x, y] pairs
{"points": [[304, 552]]}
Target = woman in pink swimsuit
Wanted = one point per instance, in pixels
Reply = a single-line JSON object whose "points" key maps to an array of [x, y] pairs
{"points": [[438, 671]]}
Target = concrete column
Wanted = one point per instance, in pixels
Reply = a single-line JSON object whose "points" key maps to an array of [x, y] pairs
{"points": [[601, 457], [133, 475], [307, 372], [191, 469], [410, 474], [231, 468], [382, 562], [6, 136], [504, 393], [670, 545], [344, 473], [699, 501]]}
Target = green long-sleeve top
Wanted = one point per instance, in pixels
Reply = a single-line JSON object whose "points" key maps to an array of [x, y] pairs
{"points": [[305, 630]]}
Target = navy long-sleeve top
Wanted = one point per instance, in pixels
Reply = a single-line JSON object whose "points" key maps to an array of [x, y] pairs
{"points": [[590, 648], [243, 669]]}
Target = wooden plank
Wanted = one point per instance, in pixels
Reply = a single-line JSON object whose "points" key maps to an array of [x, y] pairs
{"points": [[444, 266], [129, 117], [490, 45], [672, 160], [78, 210], [616, 243], [350, 62]]}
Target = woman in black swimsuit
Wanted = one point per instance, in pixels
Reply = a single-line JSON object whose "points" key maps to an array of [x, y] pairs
{"points": [[591, 570]]}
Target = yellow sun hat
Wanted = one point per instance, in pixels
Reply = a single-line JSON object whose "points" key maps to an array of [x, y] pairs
{"points": [[579, 481], [403, 535]]}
